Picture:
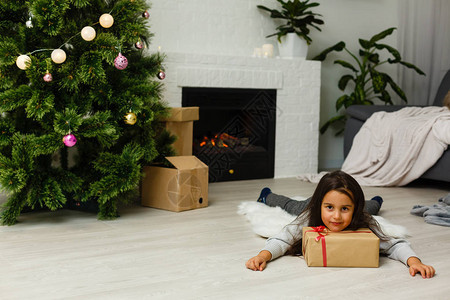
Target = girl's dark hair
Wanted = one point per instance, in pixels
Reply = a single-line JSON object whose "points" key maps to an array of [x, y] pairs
{"points": [[343, 183]]}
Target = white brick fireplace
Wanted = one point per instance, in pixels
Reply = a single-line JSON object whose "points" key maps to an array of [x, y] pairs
{"points": [[297, 82]]}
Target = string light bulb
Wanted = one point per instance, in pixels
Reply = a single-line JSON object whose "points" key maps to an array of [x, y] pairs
{"points": [[106, 20], [23, 61], [88, 33], [58, 56]]}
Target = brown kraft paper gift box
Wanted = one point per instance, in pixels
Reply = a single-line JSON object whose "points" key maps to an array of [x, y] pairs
{"points": [[182, 187], [181, 123], [349, 248]]}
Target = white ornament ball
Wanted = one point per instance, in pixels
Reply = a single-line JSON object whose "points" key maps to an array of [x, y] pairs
{"points": [[58, 56], [29, 24], [23, 62], [106, 20], [88, 33]]}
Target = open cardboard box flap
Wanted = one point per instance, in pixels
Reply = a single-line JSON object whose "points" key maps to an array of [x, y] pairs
{"points": [[185, 162], [183, 114]]}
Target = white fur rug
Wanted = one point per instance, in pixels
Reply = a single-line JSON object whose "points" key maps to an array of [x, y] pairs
{"points": [[267, 221]]}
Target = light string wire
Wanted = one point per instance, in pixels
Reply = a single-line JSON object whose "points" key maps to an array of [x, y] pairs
{"points": [[79, 33]]}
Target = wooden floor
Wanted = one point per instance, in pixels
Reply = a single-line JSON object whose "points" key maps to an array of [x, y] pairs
{"points": [[200, 254]]}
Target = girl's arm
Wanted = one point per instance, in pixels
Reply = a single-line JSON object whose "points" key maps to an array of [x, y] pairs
{"points": [[400, 250], [279, 244], [276, 246]]}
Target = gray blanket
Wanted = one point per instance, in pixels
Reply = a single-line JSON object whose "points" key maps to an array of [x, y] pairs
{"points": [[438, 214]]}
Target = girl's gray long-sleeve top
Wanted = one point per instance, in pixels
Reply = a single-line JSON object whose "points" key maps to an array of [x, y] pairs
{"points": [[278, 245]]}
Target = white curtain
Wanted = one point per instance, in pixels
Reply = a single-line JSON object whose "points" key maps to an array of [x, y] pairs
{"points": [[424, 40]]}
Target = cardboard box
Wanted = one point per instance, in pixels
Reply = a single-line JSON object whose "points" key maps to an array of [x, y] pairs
{"points": [[181, 123], [322, 248], [183, 187]]}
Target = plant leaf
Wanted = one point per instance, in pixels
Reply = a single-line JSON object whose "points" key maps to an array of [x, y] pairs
{"points": [[345, 65], [372, 57], [344, 81], [337, 47], [378, 81], [385, 97], [365, 44], [382, 35], [341, 101], [391, 50], [395, 87], [411, 66], [360, 94], [273, 13], [350, 100]]}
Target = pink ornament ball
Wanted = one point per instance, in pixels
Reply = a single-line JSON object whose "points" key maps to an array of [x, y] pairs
{"points": [[48, 77], [138, 45], [161, 75], [121, 62], [146, 14], [69, 140]]}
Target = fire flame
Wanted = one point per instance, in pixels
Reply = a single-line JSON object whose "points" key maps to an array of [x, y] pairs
{"points": [[219, 140]]}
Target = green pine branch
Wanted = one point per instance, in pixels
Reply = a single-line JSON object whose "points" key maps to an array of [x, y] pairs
{"points": [[87, 97]]}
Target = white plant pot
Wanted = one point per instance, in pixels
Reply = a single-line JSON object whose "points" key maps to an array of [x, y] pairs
{"points": [[292, 46]]}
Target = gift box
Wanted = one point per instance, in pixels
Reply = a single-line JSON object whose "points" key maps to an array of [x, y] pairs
{"points": [[348, 248], [183, 186], [181, 123]]}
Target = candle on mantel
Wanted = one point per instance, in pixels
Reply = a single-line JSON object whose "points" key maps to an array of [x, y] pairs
{"points": [[257, 52], [267, 50]]}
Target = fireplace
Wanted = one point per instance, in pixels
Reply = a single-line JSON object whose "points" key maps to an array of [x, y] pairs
{"points": [[297, 85], [235, 134]]}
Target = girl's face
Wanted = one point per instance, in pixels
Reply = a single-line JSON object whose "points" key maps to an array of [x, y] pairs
{"points": [[336, 211]]}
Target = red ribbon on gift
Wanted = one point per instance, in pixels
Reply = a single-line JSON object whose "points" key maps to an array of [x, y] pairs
{"points": [[320, 236]]}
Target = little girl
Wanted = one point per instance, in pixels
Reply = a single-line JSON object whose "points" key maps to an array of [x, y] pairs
{"points": [[295, 207], [338, 204]]}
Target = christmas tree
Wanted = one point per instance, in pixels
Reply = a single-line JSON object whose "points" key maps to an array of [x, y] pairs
{"points": [[79, 103]]}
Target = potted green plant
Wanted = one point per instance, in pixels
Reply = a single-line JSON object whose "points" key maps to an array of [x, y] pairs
{"points": [[296, 28], [366, 81]]}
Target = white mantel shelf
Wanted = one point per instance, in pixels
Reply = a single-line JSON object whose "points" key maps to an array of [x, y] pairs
{"points": [[297, 82]]}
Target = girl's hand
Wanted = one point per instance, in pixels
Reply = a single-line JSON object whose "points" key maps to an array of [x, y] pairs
{"points": [[416, 266], [259, 262]]}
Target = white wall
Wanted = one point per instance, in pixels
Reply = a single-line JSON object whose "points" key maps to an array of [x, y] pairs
{"points": [[346, 20], [229, 27], [236, 27]]}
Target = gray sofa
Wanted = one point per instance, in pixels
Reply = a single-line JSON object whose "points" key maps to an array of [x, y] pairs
{"points": [[358, 114]]}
